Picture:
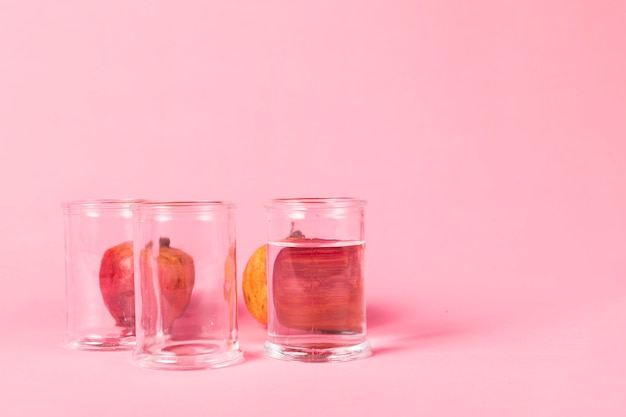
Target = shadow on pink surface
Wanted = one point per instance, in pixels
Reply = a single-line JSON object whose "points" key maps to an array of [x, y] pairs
{"points": [[393, 328], [415, 341], [521, 324], [381, 316]]}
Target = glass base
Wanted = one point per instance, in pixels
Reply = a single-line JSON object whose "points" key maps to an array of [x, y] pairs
{"points": [[188, 356], [101, 343], [318, 353]]}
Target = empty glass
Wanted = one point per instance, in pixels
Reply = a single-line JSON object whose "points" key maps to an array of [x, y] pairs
{"points": [[186, 285], [99, 274]]}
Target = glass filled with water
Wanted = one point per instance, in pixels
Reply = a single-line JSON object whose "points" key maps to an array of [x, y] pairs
{"points": [[316, 272]]}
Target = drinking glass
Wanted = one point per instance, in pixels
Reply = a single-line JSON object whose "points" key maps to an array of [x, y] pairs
{"points": [[186, 285], [99, 274], [316, 274]]}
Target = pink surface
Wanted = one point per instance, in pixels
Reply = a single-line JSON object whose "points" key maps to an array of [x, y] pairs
{"points": [[488, 137]]}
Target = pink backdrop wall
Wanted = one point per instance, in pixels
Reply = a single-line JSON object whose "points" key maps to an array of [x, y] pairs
{"points": [[488, 137]]}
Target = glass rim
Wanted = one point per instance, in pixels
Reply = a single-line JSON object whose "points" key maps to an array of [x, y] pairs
{"points": [[308, 203], [190, 205], [101, 203]]}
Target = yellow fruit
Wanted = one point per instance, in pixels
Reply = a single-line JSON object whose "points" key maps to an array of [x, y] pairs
{"points": [[254, 285]]}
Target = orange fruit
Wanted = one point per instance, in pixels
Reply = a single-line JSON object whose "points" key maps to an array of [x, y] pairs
{"points": [[254, 285]]}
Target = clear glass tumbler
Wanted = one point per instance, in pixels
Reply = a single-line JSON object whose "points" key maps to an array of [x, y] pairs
{"points": [[316, 271], [186, 285], [99, 274]]}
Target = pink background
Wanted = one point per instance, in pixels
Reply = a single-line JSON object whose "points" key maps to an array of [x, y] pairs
{"points": [[489, 138]]}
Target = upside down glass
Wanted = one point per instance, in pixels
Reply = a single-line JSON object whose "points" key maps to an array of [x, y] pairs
{"points": [[316, 271], [186, 285], [99, 274]]}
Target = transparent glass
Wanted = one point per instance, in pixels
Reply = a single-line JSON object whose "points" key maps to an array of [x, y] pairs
{"points": [[186, 285], [99, 274], [316, 273]]}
